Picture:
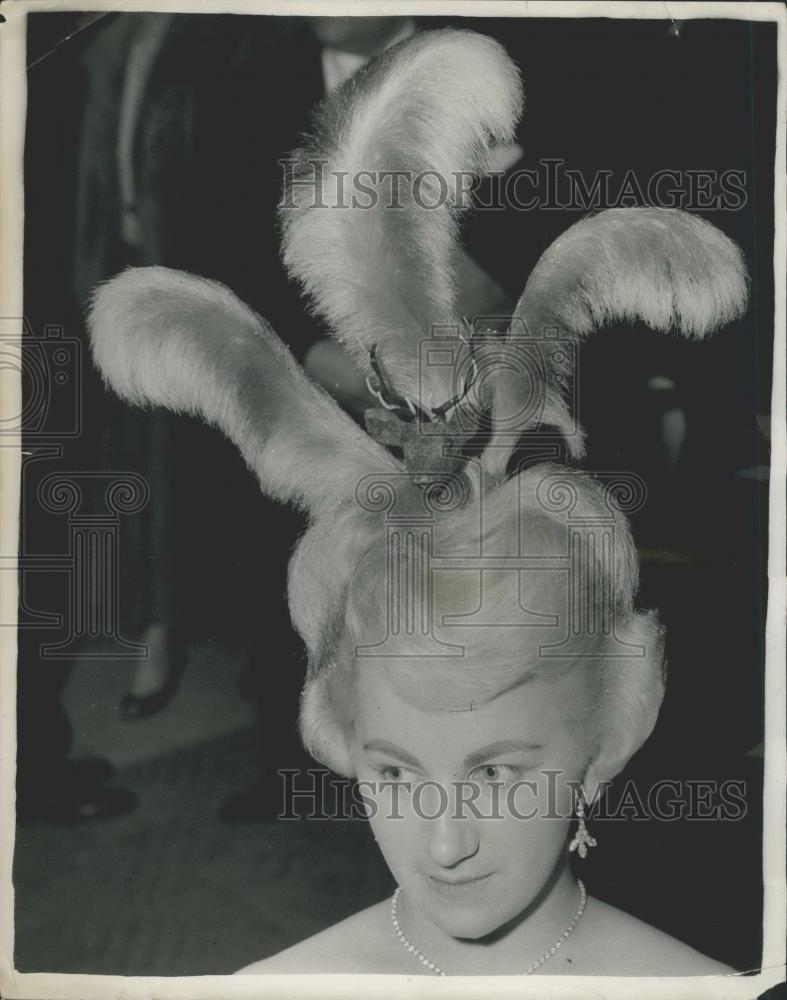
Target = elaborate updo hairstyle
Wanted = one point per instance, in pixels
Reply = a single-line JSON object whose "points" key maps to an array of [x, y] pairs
{"points": [[459, 598], [432, 550]]}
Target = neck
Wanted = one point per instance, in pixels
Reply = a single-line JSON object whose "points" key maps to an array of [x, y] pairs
{"points": [[508, 950]]}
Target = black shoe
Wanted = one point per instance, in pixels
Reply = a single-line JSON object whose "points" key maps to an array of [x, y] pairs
{"points": [[133, 707], [75, 805]]}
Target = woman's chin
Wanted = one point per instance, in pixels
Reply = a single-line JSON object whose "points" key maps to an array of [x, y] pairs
{"points": [[470, 927], [470, 921]]}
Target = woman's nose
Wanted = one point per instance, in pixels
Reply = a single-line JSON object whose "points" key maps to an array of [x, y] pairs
{"points": [[452, 839]]}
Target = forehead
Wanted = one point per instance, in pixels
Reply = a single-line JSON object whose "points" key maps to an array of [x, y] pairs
{"points": [[538, 711]]}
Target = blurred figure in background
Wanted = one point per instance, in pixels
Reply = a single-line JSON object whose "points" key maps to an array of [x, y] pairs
{"points": [[132, 186]]}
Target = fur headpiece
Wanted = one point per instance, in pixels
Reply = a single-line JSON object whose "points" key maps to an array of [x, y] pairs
{"points": [[382, 274], [416, 126]]}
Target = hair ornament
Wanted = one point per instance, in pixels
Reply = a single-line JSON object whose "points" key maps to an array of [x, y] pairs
{"points": [[383, 277]]}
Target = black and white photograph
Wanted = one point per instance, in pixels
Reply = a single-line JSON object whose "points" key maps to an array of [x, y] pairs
{"points": [[392, 499]]}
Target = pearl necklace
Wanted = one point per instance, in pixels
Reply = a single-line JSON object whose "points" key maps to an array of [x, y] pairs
{"points": [[408, 946]]}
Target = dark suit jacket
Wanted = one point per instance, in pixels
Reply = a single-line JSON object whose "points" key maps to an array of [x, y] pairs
{"points": [[214, 119], [162, 152]]}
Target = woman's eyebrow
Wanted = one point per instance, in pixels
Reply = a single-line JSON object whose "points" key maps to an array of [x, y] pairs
{"points": [[495, 749], [381, 746]]}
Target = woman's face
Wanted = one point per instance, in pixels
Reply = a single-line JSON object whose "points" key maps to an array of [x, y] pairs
{"points": [[471, 807]]}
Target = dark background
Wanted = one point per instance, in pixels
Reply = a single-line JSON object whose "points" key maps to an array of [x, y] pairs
{"points": [[645, 95]]}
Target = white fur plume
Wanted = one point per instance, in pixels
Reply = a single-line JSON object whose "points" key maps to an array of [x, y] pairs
{"points": [[170, 339], [663, 267], [378, 265]]}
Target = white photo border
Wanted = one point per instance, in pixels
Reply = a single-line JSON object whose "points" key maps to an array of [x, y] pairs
{"points": [[50, 986]]}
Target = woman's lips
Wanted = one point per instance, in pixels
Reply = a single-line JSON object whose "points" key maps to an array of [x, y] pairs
{"points": [[457, 888]]}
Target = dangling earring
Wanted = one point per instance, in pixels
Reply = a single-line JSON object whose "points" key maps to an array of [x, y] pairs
{"points": [[582, 839]]}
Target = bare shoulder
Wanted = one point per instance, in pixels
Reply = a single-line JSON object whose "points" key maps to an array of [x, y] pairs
{"points": [[634, 948], [355, 945], [611, 942]]}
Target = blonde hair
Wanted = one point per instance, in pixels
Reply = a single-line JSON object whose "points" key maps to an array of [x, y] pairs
{"points": [[538, 578]]}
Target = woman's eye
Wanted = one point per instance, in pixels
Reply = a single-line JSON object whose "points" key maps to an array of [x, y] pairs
{"points": [[495, 772], [392, 772]]}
